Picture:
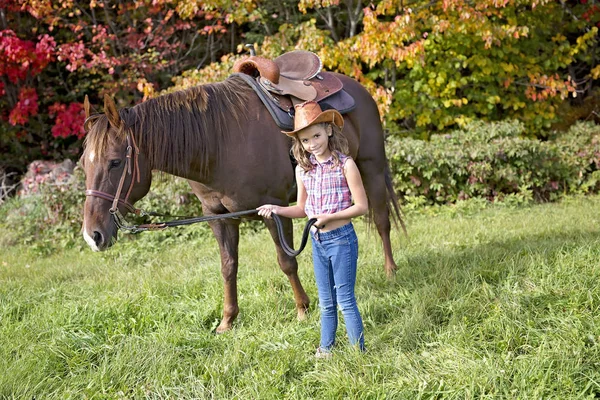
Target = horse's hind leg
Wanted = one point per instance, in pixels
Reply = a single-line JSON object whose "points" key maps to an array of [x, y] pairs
{"points": [[289, 265], [374, 182], [228, 236]]}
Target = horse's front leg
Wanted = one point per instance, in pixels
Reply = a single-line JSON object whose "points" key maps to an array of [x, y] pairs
{"points": [[289, 265], [227, 234]]}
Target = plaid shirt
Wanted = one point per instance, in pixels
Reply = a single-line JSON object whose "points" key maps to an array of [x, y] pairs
{"points": [[326, 187]]}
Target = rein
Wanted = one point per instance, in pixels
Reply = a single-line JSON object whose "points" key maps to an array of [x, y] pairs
{"points": [[132, 168], [289, 250]]}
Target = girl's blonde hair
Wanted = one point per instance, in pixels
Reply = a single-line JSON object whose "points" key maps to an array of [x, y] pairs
{"points": [[337, 144]]}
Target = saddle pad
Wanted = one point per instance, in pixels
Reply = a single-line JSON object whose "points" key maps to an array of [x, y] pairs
{"points": [[340, 101]]}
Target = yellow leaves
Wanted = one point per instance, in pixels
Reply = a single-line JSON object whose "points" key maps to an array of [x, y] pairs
{"points": [[440, 79], [213, 72], [227, 11], [559, 38], [508, 67], [584, 41], [39, 9], [500, 3], [455, 102], [437, 79], [305, 36], [487, 38], [383, 98], [187, 9], [304, 5], [493, 99], [388, 7], [595, 72], [462, 120], [518, 104], [423, 119], [535, 3], [146, 88]]}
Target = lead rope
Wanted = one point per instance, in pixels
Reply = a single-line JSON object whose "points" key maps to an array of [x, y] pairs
{"points": [[289, 250]]}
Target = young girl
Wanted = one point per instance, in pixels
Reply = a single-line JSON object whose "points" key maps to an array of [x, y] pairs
{"points": [[330, 189]]}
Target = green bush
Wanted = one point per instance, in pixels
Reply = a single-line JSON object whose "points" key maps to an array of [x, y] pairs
{"points": [[580, 149], [46, 217], [493, 161]]}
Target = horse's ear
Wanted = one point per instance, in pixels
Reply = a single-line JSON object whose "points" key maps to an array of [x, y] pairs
{"points": [[86, 106], [110, 109]]}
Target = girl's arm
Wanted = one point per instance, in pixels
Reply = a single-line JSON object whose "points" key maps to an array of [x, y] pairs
{"points": [[359, 196], [295, 211]]}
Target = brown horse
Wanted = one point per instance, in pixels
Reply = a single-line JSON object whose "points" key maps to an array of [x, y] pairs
{"points": [[222, 139]]}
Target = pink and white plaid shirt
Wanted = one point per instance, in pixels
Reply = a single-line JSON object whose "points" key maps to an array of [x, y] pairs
{"points": [[326, 187]]}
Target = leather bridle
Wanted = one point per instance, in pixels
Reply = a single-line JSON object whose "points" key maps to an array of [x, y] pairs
{"points": [[132, 168]]}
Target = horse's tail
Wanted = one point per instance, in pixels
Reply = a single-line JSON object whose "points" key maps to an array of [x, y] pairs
{"points": [[392, 199]]}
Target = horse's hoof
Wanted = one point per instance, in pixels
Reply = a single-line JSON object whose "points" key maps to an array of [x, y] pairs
{"points": [[390, 271], [223, 328], [302, 314]]}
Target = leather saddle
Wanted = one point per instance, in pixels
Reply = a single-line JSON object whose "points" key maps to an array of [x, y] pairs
{"points": [[292, 78]]}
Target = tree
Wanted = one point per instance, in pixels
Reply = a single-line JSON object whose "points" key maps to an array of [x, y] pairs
{"points": [[445, 63], [52, 53]]}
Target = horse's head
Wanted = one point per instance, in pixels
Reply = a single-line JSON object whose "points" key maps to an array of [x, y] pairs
{"points": [[117, 174]]}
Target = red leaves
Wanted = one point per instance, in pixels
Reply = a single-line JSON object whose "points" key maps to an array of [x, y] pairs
{"points": [[26, 107], [20, 58], [44, 50], [72, 53], [69, 120], [79, 55], [591, 13], [543, 87]]}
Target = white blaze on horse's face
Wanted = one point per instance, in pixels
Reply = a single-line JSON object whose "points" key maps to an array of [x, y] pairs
{"points": [[89, 240]]}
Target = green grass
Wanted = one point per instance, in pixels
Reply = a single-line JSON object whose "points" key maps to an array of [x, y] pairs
{"points": [[498, 303]]}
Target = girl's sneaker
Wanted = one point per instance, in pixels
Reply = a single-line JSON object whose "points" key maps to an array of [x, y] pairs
{"points": [[322, 353]]}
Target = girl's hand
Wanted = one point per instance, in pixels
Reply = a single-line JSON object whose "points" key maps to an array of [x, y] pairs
{"points": [[322, 220], [267, 209]]}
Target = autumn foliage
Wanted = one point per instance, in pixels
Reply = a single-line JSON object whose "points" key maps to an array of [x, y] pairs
{"points": [[431, 65]]}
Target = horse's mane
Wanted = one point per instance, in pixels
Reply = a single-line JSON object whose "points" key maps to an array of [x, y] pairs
{"points": [[179, 128]]}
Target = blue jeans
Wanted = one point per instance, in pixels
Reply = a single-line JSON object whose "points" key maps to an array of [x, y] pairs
{"points": [[335, 254]]}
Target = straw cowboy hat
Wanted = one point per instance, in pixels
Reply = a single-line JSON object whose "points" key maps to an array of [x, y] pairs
{"points": [[310, 113]]}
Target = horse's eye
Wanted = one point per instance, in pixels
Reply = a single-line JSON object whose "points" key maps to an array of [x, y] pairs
{"points": [[114, 163]]}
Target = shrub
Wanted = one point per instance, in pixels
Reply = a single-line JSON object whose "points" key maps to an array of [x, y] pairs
{"points": [[494, 161], [47, 212], [580, 149]]}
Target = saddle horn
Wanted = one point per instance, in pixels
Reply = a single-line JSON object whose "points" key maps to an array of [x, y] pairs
{"points": [[250, 47]]}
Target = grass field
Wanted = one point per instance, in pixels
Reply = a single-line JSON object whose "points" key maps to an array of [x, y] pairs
{"points": [[496, 303]]}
